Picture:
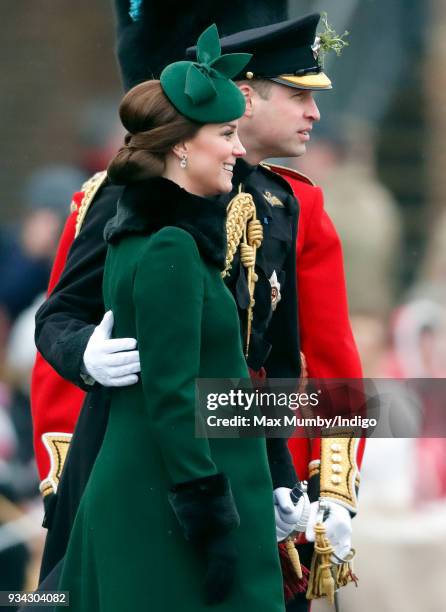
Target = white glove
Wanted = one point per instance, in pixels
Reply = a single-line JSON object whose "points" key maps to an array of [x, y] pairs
{"points": [[289, 517], [338, 527], [111, 362]]}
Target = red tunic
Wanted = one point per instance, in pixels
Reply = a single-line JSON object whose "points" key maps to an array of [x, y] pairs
{"points": [[324, 327]]}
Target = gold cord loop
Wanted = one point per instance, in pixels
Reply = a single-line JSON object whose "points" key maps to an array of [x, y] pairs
{"points": [[247, 255], [245, 231], [255, 233]]}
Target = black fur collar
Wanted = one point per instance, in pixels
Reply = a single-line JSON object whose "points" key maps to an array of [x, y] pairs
{"points": [[147, 206]]}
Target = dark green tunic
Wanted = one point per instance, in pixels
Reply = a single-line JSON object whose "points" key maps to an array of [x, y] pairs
{"points": [[126, 550]]}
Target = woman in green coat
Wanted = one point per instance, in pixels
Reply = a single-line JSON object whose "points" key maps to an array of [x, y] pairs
{"points": [[169, 521]]}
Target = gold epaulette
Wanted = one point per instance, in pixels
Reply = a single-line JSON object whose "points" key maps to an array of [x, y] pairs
{"points": [[339, 476], [89, 188], [291, 172], [57, 446]]}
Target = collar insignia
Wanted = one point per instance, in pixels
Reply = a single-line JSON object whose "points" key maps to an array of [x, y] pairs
{"points": [[272, 199]]}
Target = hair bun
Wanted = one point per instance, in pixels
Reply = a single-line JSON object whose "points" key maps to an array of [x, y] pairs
{"points": [[131, 164], [153, 126]]}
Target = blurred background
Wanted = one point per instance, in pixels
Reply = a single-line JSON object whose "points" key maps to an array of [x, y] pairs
{"points": [[379, 154]]}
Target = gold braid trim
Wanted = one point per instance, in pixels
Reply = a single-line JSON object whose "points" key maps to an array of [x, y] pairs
{"points": [[90, 188], [239, 211], [339, 470], [243, 230], [56, 444]]}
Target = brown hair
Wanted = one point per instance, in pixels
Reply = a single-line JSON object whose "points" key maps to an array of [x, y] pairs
{"points": [[261, 86], [154, 126]]}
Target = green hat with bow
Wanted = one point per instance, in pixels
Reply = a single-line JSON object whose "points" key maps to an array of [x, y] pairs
{"points": [[203, 90]]}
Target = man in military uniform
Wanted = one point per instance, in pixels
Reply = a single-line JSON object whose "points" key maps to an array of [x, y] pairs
{"points": [[66, 332], [279, 83]]}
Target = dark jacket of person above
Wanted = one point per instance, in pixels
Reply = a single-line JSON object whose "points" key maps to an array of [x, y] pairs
{"points": [[163, 281]]}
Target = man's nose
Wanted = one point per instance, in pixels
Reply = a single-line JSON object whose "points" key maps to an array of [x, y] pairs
{"points": [[312, 110], [239, 150]]}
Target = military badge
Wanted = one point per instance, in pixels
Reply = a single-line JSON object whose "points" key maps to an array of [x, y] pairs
{"points": [[315, 47], [275, 290], [272, 199]]}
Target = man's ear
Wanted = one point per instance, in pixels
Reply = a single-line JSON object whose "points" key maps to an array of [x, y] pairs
{"points": [[180, 150], [249, 95]]}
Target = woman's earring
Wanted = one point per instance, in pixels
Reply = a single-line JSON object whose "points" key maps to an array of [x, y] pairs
{"points": [[183, 162]]}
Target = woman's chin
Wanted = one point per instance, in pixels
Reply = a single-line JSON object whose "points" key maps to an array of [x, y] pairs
{"points": [[226, 186], [222, 186]]}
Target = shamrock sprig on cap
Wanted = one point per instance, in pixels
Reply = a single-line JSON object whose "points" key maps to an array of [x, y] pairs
{"points": [[329, 40]]}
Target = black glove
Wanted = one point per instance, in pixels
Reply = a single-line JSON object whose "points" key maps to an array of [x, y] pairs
{"points": [[220, 556], [206, 511]]}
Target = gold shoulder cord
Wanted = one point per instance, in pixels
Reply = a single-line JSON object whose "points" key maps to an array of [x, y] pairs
{"points": [[90, 188], [245, 230]]}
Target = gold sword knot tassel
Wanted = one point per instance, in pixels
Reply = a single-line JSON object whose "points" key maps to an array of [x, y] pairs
{"points": [[328, 572], [321, 582]]}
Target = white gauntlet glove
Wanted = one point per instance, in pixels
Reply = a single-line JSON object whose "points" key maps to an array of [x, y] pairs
{"points": [[289, 517], [338, 525], [111, 362]]}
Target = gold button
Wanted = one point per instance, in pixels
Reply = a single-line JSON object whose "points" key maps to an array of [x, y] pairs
{"points": [[336, 458], [249, 75], [336, 468], [336, 479], [335, 447], [73, 206]]}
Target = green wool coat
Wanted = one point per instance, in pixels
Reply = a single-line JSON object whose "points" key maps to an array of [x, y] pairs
{"points": [[127, 552]]}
